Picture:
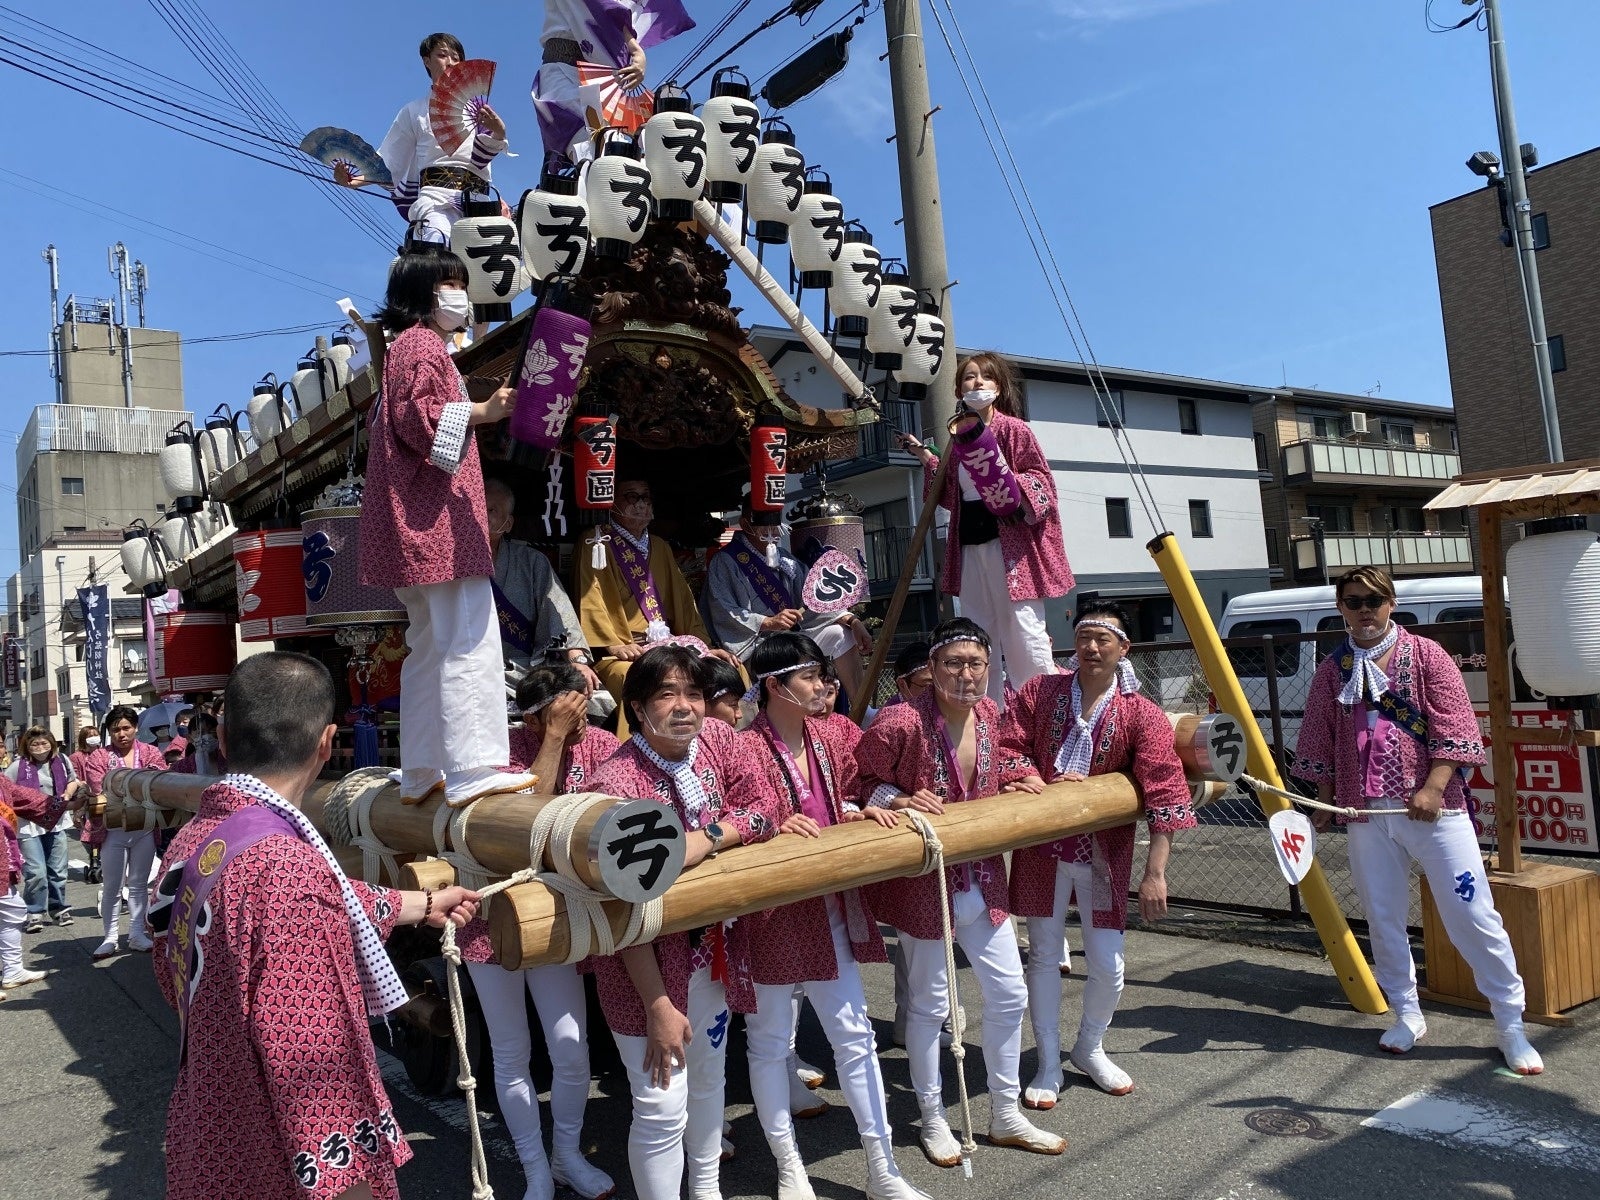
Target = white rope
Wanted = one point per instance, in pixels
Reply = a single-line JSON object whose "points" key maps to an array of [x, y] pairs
{"points": [[933, 861], [1347, 811]]}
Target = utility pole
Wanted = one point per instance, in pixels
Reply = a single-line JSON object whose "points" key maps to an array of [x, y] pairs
{"points": [[1522, 227], [49, 256], [117, 260], [919, 193]]}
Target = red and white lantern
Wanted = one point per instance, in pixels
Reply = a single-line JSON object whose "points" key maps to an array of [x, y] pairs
{"points": [[816, 235], [776, 183], [594, 456], [270, 585], [675, 153], [769, 468], [733, 135], [197, 651]]}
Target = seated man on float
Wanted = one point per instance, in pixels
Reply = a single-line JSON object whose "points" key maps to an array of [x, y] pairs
{"points": [[754, 587], [639, 598]]}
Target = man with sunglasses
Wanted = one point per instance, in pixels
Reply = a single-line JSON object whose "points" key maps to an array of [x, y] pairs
{"points": [[1388, 726]]}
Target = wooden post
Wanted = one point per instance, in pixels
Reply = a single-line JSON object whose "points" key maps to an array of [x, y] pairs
{"points": [[897, 602], [1502, 753]]}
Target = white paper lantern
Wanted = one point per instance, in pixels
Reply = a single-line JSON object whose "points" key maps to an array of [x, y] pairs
{"points": [[553, 227], [816, 235], [310, 388], [220, 443], [893, 323], [923, 357], [487, 242], [857, 283], [776, 183], [619, 197], [675, 154], [1553, 585], [141, 559], [180, 536], [179, 465], [733, 135]]}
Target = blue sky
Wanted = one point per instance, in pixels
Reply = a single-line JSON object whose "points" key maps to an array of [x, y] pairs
{"points": [[1236, 189]]}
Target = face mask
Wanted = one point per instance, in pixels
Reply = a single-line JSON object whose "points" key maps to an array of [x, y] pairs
{"points": [[979, 398], [812, 708], [451, 308], [639, 510], [92, 742], [964, 690]]}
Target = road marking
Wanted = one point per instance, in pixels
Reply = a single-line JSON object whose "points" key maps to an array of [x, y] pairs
{"points": [[1493, 1129]]}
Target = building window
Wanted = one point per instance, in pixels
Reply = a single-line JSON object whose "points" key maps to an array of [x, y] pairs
{"points": [[1541, 231], [1335, 518], [1111, 402], [1400, 433], [134, 654], [1188, 416], [1272, 547], [1118, 524], [1200, 518], [74, 529], [1558, 353], [1324, 426], [71, 486], [1404, 519], [1263, 462], [1455, 440]]}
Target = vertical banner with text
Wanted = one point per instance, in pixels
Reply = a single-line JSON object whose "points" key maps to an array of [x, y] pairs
{"points": [[96, 604]]}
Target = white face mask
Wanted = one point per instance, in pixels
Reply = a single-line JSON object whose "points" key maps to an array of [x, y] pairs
{"points": [[92, 742], [451, 308], [979, 398]]}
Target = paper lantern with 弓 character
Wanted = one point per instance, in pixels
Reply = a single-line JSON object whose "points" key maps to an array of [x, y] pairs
{"points": [[675, 153], [769, 468], [893, 324], [857, 282], [553, 226], [619, 196], [733, 135], [330, 554], [816, 235], [594, 480], [777, 182], [486, 240], [923, 357]]}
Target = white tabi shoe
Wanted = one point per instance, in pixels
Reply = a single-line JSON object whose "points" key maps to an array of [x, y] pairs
{"points": [[810, 1076], [938, 1143], [23, 978], [1405, 1033], [582, 1176], [1045, 1089], [884, 1181], [541, 1186], [1008, 1127], [804, 1104], [793, 1184], [728, 1148], [1107, 1076], [463, 787], [416, 785], [105, 949], [1519, 1053]]}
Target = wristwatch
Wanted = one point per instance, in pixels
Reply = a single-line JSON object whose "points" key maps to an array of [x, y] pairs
{"points": [[714, 832], [583, 658]]}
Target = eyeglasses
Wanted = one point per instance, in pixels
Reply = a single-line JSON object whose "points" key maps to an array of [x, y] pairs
{"points": [[963, 666], [634, 498], [1373, 602]]}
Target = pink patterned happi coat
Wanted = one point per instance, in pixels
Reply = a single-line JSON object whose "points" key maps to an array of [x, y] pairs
{"points": [[278, 1096], [902, 751], [95, 765], [1422, 673], [422, 516], [741, 798], [794, 943], [579, 764], [1134, 735], [1034, 549]]}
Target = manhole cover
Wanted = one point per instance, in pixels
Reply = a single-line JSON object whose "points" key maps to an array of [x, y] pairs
{"points": [[1285, 1122]]}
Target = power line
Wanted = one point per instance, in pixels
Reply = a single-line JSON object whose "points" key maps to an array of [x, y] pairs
{"points": [[211, 339]]}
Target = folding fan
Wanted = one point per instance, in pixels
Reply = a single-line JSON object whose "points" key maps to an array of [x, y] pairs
{"points": [[459, 95], [332, 146], [606, 103]]}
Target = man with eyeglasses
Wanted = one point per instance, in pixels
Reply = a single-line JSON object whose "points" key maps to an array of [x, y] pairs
{"points": [[638, 599], [943, 747], [1389, 726]]}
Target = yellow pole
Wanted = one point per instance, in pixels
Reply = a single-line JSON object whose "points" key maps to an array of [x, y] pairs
{"points": [[1343, 952]]}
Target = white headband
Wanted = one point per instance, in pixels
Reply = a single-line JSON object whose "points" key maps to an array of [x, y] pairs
{"points": [[535, 709], [753, 693], [1097, 623], [960, 637]]}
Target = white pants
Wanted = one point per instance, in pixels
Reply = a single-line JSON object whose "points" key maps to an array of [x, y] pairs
{"points": [[1381, 852], [1102, 950], [13, 915], [126, 858], [684, 1119], [452, 684], [1016, 627], [433, 213], [841, 1006], [992, 951], [557, 993]]}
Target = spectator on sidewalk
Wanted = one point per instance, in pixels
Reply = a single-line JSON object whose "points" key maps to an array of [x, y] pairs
{"points": [[43, 767]]}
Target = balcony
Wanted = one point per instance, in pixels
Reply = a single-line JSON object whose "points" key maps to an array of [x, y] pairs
{"points": [[1358, 464], [1402, 553], [876, 445], [886, 554]]}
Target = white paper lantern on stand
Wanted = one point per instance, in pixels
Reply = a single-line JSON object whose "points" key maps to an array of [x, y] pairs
{"points": [[1553, 586], [776, 183], [553, 227], [179, 464], [619, 196], [486, 240], [893, 323], [220, 442], [675, 154], [923, 357], [180, 536], [857, 283], [816, 235], [733, 135], [141, 559]]}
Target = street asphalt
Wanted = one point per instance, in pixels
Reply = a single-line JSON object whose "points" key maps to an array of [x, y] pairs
{"points": [[1254, 1080]]}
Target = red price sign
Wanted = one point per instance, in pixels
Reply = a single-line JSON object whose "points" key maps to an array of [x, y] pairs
{"points": [[1555, 798]]}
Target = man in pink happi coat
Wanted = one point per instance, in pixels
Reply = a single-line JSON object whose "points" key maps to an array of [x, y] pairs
{"points": [[274, 960]]}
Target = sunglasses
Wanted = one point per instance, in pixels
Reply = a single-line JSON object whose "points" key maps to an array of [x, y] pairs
{"points": [[1373, 602]]}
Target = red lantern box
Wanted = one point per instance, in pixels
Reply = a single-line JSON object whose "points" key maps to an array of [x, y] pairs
{"points": [[270, 584], [197, 650]]}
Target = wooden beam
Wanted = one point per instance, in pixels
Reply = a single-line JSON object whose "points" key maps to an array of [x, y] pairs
{"points": [[1535, 508], [1498, 668]]}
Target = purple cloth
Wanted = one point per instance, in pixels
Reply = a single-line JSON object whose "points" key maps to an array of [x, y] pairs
{"points": [[547, 383], [979, 455], [28, 774]]}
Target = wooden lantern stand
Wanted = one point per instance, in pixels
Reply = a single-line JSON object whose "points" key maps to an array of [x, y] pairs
{"points": [[1552, 913]]}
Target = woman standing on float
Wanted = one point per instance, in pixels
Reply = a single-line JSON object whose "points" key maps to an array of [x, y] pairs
{"points": [[556, 743], [1388, 725], [1002, 568], [812, 945]]}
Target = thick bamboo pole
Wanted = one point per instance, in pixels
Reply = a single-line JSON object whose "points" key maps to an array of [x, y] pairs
{"points": [[1343, 952], [528, 924]]}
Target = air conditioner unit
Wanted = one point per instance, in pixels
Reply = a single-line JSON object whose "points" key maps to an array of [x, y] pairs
{"points": [[1356, 423]]}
